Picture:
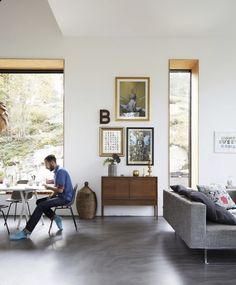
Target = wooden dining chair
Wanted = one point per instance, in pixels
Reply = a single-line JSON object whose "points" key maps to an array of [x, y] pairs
{"points": [[67, 206]]}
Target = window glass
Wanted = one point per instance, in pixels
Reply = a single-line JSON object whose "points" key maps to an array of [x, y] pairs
{"points": [[179, 129], [35, 105]]}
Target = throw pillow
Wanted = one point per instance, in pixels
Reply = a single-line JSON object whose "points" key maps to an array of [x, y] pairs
{"points": [[182, 190], [218, 194], [210, 205], [224, 216], [214, 212]]}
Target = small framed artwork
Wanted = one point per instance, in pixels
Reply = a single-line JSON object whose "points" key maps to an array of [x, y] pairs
{"points": [[132, 98], [111, 140], [140, 146], [225, 142]]}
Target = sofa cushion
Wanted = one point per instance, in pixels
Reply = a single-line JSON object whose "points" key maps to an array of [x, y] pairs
{"points": [[214, 212], [218, 194], [182, 190]]}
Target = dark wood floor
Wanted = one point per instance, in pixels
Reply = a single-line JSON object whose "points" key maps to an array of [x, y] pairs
{"points": [[107, 251]]}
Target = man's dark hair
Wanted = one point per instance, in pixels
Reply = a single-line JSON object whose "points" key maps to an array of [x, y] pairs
{"points": [[50, 157]]}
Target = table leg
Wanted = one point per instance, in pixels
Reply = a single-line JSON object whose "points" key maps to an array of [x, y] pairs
{"points": [[23, 208]]}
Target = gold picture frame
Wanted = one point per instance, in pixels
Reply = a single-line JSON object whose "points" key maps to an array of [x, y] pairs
{"points": [[132, 102], [111, 140]]}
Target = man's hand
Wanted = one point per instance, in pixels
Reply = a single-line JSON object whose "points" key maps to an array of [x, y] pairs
{"points": [[53, 188], [46, 186]]}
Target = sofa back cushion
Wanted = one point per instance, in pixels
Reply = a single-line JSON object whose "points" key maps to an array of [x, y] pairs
{"points": [[180, 189], [218, 194], [214, 212]]}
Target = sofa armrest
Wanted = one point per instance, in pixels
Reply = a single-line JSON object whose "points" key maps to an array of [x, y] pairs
{"points": [[186, 217]]}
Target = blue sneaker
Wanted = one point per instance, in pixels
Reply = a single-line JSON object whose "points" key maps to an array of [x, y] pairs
{"points": [[18, 236], [58, 221]]}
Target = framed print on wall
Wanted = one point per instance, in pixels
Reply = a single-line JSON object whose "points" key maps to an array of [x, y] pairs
{"points": [[225, 142], [132, 98], [140, 142], [111, 140]]}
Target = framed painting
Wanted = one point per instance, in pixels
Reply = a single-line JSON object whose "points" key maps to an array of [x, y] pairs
{"points": [[111, 140], [132, 98], [225, 142], [140, 146]]}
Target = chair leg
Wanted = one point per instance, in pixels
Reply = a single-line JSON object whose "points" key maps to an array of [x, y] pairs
{"points": [[73, 217], [5, 221], [205, 256], [8, 211], [28, 208], [50, 227], [72, 214], [15, 211]]}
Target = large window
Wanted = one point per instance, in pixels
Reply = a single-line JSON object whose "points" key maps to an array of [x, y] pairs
{"points": [[179, 143], [183, 122], [34, 100]]}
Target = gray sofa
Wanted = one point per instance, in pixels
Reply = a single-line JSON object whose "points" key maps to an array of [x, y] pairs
{"points": [[188, 219]]}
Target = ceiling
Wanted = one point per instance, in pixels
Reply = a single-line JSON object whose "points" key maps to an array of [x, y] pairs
{"points": [[145, 18]]}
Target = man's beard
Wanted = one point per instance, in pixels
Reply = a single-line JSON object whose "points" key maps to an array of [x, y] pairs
{"points": [[51, 168]]}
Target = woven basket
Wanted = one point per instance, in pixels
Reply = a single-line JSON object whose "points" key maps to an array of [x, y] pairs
{"points": [[86, 202]]}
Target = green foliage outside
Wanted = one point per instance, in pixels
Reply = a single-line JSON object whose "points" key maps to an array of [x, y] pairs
{"points": [[35, 107], [179, 119]]}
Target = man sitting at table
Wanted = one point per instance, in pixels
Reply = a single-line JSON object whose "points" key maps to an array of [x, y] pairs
{"points": [[61, 195]]}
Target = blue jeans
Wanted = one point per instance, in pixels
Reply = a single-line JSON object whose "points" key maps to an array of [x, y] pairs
{"points": [[44, 205]]}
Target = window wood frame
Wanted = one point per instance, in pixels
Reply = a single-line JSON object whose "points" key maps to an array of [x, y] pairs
{"points": [[193, 66]]}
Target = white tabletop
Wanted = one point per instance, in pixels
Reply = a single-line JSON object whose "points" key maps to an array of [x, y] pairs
{"points": [[23, 187]]}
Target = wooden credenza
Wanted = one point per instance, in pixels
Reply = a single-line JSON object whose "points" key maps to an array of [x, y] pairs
{"points": [[129, 191]]}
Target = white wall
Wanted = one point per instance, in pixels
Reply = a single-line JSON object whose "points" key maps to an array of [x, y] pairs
{"points": [[91, 66]]}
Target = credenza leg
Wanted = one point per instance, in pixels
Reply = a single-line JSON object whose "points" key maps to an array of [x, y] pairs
{"points": [[155, 212]]}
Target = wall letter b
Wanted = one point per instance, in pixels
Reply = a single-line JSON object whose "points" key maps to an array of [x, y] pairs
{"points": [[104, 116]]}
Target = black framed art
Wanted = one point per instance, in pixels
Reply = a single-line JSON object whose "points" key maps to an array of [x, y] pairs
{"points": [[140, 146]]}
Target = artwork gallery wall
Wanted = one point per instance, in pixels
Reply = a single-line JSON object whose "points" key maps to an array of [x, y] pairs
{"points": [[91, 66]]}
